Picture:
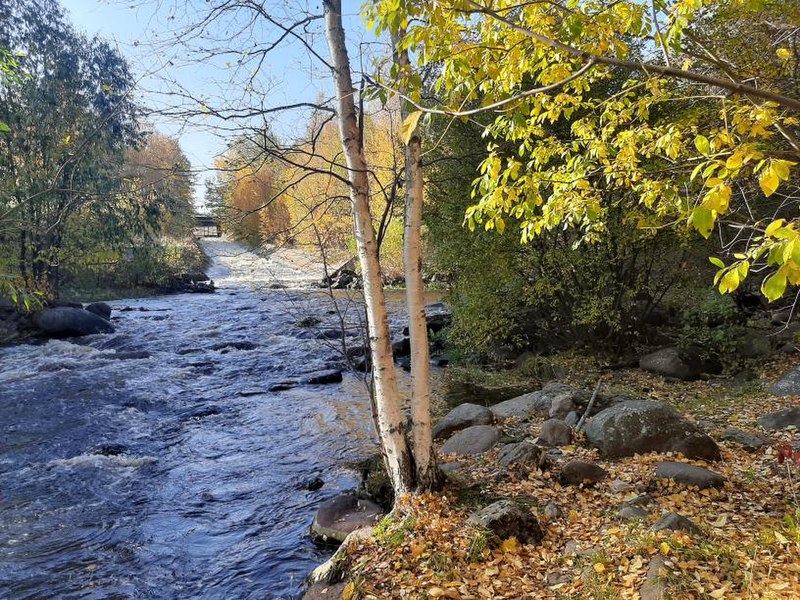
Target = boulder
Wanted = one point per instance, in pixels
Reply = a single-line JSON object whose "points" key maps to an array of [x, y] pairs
{"points": [[101, 309], [670, 363], [671, 521], [654, 586], [522, 407], [522, 454], [641, 426], [339, 516], [322, 378], [689, 475], [472, 440], [747, 441], [781, 419], [401, 348], [555, 433], [71, 321], [632, 513], [579, 472], [324, 591], [561, 406], [462, 416], [506, 519], [787, 385]]}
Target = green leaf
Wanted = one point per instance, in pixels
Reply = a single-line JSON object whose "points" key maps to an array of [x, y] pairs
{"points": [[729, 282], [717, 262], [409, 126], [702, 220], [702, 144], [774, 286], [4, 128]]}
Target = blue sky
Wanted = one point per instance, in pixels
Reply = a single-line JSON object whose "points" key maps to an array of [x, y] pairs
{"points": [[143, 30]]}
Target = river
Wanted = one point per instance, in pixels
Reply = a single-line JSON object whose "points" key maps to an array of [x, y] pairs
{"points": [[155, 463]]}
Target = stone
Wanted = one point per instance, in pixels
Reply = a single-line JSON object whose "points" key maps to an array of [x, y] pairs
{"points": [[71, 321], [632, 513], [689, 475], [521, 454], [506, 519], [621, 487], [109, 449], [522, 407], [573, 418], [448, 468], [654, 586], [750, 442], [401, 348], [555, 433], [670, 363], [561, 406], [462, 416], [571, 548], [788, 417], [472, 440], [671, 521], [101, 309], [640, 500], [338, 517], [309, 321], [322, 378], [552, 511], [787, 385], [640, 426], [579, 472], [324, 591]]}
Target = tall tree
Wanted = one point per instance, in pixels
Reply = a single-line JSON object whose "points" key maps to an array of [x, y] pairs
{"points": [[535, 63], [70, 120]]}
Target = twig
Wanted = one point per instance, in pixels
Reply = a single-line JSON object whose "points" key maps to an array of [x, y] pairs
{"points": [[589, 406]]}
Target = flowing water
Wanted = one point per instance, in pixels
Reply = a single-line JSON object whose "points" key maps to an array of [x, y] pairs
{"points": [[155, 463]]}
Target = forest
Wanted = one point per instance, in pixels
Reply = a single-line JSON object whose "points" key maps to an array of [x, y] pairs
{"points": [[546, 253]]}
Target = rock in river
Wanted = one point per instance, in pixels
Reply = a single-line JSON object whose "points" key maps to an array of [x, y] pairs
{"points": [[101, 309], [322, 377], [339, 516], [71, 321]]}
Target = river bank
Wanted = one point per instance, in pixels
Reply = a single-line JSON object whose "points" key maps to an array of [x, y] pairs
{"points": [[590, 521]]}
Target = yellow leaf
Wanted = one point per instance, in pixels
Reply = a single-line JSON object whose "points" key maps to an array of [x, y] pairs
{"points": [[781, 538], [784, 53], [349, 592], [665, 549], [773, 227], [720, 593], [769, 182], [409, 126], [509, 545], [599, 568], [734, 161]]}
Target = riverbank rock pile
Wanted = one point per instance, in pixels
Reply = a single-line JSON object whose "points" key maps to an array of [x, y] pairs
{"points": [[637, 504]]}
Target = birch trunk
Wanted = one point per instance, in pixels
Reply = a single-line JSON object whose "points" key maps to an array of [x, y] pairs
{"points": [[389, 414], [427, 471]]}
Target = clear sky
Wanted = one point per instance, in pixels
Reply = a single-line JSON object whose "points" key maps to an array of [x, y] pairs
{"points": [[145, 32]]}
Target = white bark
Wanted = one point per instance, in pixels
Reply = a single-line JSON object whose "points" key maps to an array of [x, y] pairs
{"points": [[391, 422], [427, 472]]}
